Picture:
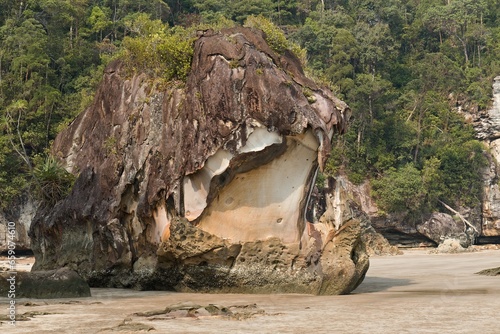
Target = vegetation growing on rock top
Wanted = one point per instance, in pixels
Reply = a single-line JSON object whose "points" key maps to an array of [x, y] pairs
{"points": [[402, 65], [162, 52], [275, 37]]}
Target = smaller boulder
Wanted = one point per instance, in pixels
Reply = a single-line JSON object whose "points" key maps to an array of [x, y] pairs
{"points": [[59, 283], [451, 246], [376, 244]]}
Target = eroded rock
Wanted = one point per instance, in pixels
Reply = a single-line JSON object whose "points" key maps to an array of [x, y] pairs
{"points": [[17, 219], [486, 124], [441, 226], [377, 244], [451, 246], [204, 186]]}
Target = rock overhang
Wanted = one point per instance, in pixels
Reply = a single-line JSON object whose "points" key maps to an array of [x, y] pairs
{"points": [[283, 115], [227, 160]]}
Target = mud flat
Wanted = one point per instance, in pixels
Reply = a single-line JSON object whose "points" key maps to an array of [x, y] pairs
{"points": [[413, 293]]}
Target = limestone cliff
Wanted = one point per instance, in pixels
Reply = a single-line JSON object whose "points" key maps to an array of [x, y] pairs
{"points": [[467, 225], [487, 126], [204, 185]]}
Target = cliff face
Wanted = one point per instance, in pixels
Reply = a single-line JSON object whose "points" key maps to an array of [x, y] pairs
{"points": [[487, 127], [19, 219], [204, 186], [482, 221], [491, 201]]}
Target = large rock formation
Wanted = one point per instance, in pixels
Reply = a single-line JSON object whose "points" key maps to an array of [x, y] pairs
{"points": [[204, 186]]}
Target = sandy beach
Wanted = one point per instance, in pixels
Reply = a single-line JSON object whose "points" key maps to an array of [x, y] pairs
{"points": [[416, 292]]}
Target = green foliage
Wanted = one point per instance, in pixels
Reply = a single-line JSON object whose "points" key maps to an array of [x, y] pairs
{"points": [[52, 181], [459, 169], [401, 65], [275, 37], [320, 180], [451, 176], [400, 190], [156, 50], [99, 19]]}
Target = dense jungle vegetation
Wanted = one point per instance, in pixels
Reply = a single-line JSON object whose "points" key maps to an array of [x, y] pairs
{"points": [[401, 65]]}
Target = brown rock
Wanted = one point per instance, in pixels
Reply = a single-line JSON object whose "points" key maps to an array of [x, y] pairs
{"points": [[203, 186], [441, 226]]}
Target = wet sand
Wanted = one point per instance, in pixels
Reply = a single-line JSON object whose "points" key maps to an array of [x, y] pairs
{"points": [[413, 293]]}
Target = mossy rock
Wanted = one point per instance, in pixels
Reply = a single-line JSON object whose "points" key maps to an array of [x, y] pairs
{"points": [[49, 284]]}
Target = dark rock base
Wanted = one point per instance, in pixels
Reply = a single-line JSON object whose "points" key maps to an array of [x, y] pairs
{"points": [[196, 261], [59, 283]]}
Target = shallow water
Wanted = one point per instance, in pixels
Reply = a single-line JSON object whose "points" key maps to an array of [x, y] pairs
{"points": [[413, 293]]}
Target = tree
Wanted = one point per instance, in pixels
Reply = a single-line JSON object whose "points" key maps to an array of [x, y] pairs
{"points": [[462, 20], [396, 63], [99, 20], [400, 190]]}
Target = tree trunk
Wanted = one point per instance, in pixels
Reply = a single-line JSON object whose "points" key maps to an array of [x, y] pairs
{"points": [[1, 91], [464, 45], [71, 36], [359, 140]]}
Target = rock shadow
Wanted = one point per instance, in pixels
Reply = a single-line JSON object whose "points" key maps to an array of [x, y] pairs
{"points": [[377, 284]]}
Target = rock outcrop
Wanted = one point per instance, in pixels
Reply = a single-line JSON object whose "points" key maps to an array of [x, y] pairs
{"points": [[483, 222], [451, 246], [340, 195], [441, 226], [17, 219], [204, 186]]}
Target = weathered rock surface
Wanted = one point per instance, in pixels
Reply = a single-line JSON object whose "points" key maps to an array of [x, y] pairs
{"points": [[340, 195], [487, 127], [376, 243], [192, 310], [19, 220], [204, 186], [491, 196], [487, 122], [46, 284], [441, 226]]}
